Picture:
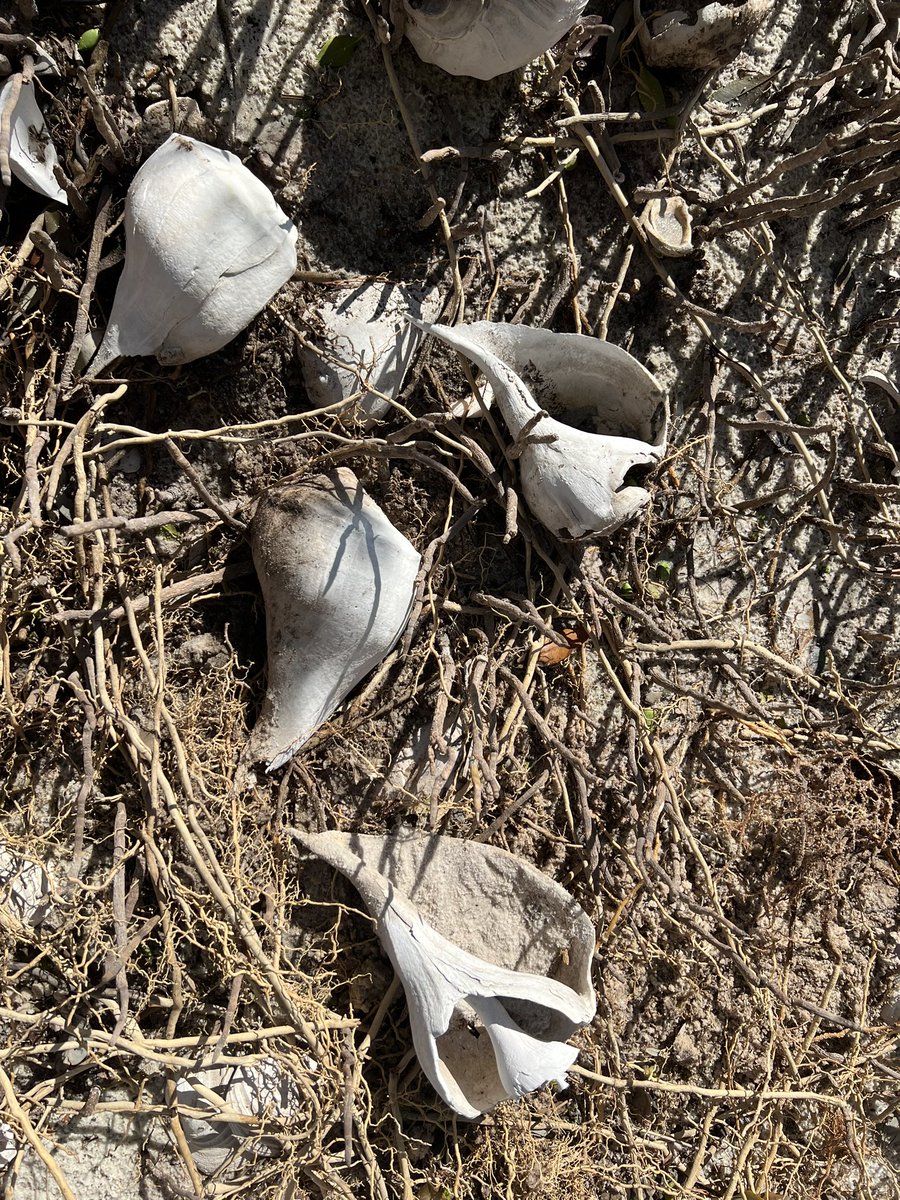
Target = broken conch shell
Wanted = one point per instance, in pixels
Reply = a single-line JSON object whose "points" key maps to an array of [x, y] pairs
{"points": [[337, 579], [485, 38], [546, 385], [206, 249], [481, 942], [32, 156]]}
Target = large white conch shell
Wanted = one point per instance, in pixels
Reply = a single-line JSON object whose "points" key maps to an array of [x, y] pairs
{"points": [[481, 941], [484, 38], [262, 1090], [32, 156], [206, 249], [337, 579], [573, 480]]}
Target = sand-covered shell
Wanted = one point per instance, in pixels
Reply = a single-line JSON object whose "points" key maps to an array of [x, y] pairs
{"points": [[206, 249], [583, 414], [337, 579], [485, 38], [482, 943], [32, 155], [666, 220], [711, 37]]}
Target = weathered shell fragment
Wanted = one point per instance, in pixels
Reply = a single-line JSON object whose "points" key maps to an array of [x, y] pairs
{"points": [[547, 386], [667, 222], [482, 942], [32, 155], [262, 1090], [485, 38], [714, 36], [9, 1146], [364, 344], [206, 249], [337, 579], [24, 888]]}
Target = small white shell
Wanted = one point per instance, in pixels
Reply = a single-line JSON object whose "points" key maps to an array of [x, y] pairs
{"points": [[573, 480], [262, 1089], [485, 38], [206, 249], [32, 156], [337, 579], [366, 346], [667, 223], [713, 37], [24, 888], [480, 941]]}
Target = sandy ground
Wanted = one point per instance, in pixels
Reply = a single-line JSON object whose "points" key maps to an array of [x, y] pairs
{"points": [[712, 773]]}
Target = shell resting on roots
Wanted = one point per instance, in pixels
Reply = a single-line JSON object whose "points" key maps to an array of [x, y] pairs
{"points": [[485, 38], [338, 580], [547, 386], [483, 943], [206, 249]]}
